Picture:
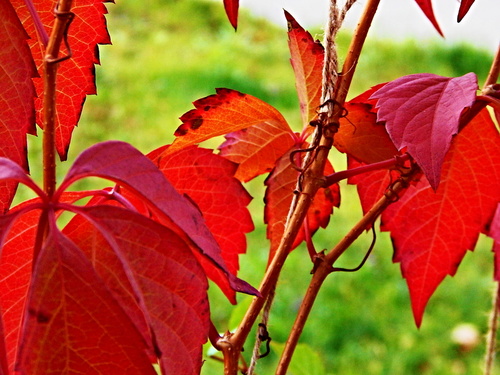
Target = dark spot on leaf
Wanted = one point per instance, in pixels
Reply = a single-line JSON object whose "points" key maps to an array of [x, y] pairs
{"points": [[196, 123], [40, 316], [207, 108], [181, 130]]}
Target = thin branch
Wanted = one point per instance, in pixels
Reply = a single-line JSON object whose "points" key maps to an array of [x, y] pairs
{"points": [[312, 181], [342, 175], [494, 70], [324, 267], [51, 61], [491, 337]]}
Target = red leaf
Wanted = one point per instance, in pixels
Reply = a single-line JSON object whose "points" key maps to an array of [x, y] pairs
{"points": [[123, 164], [464, 8], [231, 7], [281, 185], [73, 325], [361, 137], [494, 233], [76, 76], [17, 94], [18, 231], [307, 61], [4, 369], [166, 279], [222, 113], [257, 148], [15, 268], [209, 181], [431, 231], [422, 113], [426, 6]]}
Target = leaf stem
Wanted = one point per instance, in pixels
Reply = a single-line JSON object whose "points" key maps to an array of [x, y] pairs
{"points": [[324, 266], [342, 175], [40, 29], [51, 62]]}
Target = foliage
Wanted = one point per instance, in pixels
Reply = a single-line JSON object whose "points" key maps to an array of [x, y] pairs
{"points": [[126, 277]]}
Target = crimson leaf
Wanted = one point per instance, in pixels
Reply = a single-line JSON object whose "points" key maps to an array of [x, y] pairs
{"points": [[422, 113]]}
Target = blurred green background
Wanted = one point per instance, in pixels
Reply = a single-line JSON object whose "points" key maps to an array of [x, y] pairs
{"points": [[165, 55]]}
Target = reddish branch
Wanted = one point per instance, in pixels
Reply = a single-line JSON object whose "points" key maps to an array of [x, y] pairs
{"points": [[231, 345], [51, 62]]}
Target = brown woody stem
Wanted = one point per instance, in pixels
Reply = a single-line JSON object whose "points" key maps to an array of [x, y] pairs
{"points": [[324, 266], [312, 180], [494, 70], [491, 337], [51, 62]]}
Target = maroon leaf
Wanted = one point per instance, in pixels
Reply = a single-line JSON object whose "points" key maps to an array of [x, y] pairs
{"points": [[426, 6], [72, 323], [464, 8], [123, 164], [422, 113], [231, 7]]}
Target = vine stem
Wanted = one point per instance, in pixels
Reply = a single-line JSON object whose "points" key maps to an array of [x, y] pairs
{"points": [[51, 62], [323, 267], [494, 70], [491, 337], [232, 344]]}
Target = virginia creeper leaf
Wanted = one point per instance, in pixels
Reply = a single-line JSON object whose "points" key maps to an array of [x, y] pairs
{"points": [[307, 57], [3, 351], [362, 137], [464, 8], [208, 180], [15, 274], [222, 113], [123, 164], [494, 233], [76, 77], [426, 6], [281, 184], [231, 7], [167, 280], [73, 325], [257, 148], [17, 95], [422, 113], [109, 268], [431, 231]]}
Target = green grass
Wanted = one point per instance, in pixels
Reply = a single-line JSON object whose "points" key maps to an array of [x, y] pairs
{"points": [[167, 54]]}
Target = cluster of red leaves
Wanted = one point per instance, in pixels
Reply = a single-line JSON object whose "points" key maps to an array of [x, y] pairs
{"points": [[127, 276], [435, 221]]}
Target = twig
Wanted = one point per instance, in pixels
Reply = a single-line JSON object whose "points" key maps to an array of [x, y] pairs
{"points": [[325, 266], [51, 62], [491, 337], [313, 180]]}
